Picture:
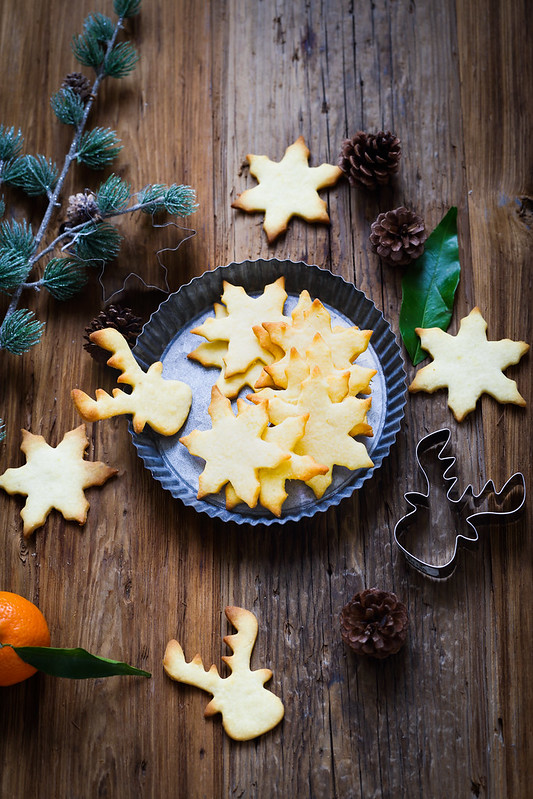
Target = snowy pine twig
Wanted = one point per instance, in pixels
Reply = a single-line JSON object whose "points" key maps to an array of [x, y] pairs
{"points": [[88, 238]]}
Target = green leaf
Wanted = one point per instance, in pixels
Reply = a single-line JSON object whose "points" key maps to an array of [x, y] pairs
{"points": [[64, 277], [126, 8], [121, 60], [19, 332], [429, 284], [76, 664], [98, 148], [67, 106]]}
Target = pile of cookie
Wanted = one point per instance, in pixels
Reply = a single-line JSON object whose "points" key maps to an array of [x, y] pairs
{"points": [[304, 412]]}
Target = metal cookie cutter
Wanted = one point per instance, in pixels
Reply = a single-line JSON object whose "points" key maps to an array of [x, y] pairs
{"points": [[462, 506]]}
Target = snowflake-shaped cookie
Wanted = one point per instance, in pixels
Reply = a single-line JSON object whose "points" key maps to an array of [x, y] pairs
{"points": [[297, 371], [236, 328], [212, 353], [233, 450], [54, 477], [468, 365], [287, 188], [329, 428], [344, 343], [299, 467]]}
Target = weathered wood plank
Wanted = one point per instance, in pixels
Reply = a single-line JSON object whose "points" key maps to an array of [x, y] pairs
{"points": [[451, 714], [496, 82]]}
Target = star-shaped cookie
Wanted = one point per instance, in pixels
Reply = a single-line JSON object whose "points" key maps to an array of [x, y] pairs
{"points": [[329, 428], [233, 450], [298, 467], [212, 353], [468, 365], [345, 344], [298, 370], [54, 477], [287, 188], [236, 328]]}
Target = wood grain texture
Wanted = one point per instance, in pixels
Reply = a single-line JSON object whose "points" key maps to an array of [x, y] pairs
{"points": [[451, 714]]}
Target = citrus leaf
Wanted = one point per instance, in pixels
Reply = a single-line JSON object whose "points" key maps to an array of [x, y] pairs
{"points": [[428, 286], [76, 664]]}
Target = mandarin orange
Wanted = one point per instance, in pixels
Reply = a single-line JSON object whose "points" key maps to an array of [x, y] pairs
{"points": [[21, 624]]}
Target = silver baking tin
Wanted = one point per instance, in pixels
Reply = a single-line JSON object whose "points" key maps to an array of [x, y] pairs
{"points": [[167, 337]]}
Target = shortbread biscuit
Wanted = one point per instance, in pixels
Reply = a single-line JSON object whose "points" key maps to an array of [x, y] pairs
{"points": [[299, 467], [236, 328], [163, 404], [329, 428], [345, 343], [54, 477], [287, 188], [248, 709], [468, 365], [233, 450], [212, 354]]}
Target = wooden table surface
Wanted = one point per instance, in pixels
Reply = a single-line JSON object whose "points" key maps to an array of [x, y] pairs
{"points": [[451, 714]]}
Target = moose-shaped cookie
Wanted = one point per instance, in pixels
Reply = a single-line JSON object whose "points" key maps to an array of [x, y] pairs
{"points": [[248, 709], [163, 404]]}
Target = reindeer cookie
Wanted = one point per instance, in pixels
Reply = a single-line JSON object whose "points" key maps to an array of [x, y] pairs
{"points": [[163, 404], [248, 709]]}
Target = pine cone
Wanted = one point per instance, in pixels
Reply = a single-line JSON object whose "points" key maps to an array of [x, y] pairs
{"points": [[398, 236], [81, 207], [374, 623], [79, 84], [370, 159], [121, 319]]}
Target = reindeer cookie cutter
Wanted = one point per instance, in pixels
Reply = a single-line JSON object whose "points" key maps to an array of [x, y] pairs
{"points": [[473, 521]]}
